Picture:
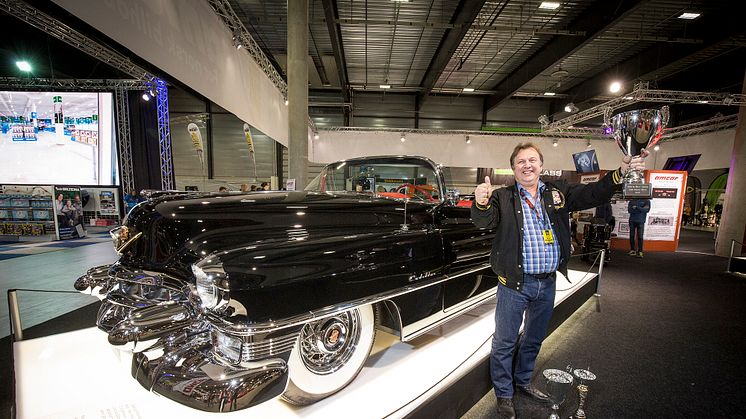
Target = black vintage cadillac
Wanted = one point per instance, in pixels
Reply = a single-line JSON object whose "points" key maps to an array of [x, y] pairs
{"points": [[228, 300]]}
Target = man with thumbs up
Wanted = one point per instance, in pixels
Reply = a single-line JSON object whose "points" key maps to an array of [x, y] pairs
{"points": [[532, 242]]}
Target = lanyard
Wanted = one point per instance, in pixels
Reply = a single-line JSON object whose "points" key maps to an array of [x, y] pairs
{"points": [[530, 204]]}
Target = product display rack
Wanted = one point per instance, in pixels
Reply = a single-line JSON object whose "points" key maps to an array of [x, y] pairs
{"points": [[26, 215]]}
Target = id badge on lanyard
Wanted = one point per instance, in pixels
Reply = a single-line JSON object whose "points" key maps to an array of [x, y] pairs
{"points": [[548, 236]]}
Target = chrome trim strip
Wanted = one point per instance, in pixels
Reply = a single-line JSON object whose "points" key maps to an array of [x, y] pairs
{"points": [[441, 317], [257, 328]]}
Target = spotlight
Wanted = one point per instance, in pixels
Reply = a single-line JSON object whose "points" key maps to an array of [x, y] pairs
{"points": [[554, 143], [151, 92], [24, 66], [286, 102], [570, 107], [544, 120], [145, 97], [468, 140], [315, 135], [402, 139], [615, 87], [237, 39], [657, 147]]}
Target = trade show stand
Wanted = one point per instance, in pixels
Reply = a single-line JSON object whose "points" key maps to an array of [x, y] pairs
{"points": [[442, 373]]}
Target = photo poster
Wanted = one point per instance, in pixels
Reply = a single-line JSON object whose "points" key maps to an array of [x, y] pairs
{"points": [[107, 202], [68, 207], [663, 222]]}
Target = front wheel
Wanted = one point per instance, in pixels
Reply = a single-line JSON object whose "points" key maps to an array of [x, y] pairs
{"points": [[329, 355]]}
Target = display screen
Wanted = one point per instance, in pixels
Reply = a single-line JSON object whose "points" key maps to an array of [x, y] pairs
{"points": [[57, 138], [586, 161]]}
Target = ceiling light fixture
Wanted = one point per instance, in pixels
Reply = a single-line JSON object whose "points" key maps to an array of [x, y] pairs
{"points": [[549, 93], [286, 102], [657, 147], [554, 143], [384, 86], [468, 89], [549, 5], [24, 66], [145, 97], [689, 15], [615, 87], [315, 135], [402, 139], [570, 107], [468, 140]]}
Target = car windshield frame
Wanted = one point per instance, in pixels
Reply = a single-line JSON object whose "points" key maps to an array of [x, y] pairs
{"points": [[370, 183]]}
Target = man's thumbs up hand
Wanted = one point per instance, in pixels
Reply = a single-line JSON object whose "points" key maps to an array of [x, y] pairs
{"points": [[483, 191]]}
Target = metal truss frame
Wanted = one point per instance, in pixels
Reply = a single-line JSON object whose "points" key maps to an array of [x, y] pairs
{"points": [[124, 140], [711, 125], [579, 133], [13, 83], [642, 93], [67, 34], [241, 36], [164, 136], [186, 119]]}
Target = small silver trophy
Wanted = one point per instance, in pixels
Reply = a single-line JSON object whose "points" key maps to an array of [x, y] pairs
{"points": [[584, 378], [634, 131], [558, 384]]}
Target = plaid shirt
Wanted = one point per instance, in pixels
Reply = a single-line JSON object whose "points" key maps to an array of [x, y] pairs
{"points": [[538, 257]]}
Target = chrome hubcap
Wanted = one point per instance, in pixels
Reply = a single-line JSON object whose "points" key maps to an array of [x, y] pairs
{"points": [[326, 345]]}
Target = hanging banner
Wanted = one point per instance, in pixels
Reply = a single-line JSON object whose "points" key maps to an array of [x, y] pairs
{"points": [[250, 143], [247, 135], [196, 136]]}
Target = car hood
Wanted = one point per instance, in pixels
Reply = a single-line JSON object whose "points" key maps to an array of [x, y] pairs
{"points": [[178, 230]]}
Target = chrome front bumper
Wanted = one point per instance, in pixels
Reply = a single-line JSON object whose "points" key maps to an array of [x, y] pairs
{"points": [[177, 352]]}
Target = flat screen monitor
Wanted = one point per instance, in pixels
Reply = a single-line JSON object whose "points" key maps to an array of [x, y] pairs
{"points": [[682, 163], [59, 138], [586, 161]]}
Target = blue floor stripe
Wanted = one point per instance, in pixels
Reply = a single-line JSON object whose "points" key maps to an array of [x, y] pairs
{"points": [[10, 256]]}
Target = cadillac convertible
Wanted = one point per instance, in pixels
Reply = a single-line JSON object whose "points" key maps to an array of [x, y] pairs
{"points": [[227, 300]]}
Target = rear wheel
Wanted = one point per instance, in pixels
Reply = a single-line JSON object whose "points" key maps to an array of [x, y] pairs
{"points": [[329, 355]]}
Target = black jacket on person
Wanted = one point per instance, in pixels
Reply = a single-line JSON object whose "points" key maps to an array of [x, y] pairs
{"points": [[504, 214]]}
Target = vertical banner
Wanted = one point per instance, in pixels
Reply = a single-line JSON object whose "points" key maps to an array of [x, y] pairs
{"points": [[663, 222], [250, 144], [69, 212], [196, 136]]}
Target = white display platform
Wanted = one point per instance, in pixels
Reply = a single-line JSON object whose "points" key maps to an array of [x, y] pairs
{"points": [[79, 375]]}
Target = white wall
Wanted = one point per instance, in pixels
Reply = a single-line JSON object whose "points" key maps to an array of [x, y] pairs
{"points": [[495, 150], [185, 39]]}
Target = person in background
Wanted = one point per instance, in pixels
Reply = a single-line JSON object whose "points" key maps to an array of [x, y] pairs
{"points": [[131, 199], [264, 186], [532, 241], [223, 189], [244, 187], [638, 212], [253, 188]]}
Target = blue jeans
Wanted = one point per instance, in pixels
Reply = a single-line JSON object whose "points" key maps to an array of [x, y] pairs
{"points": [[536, 299], [639, 228]]}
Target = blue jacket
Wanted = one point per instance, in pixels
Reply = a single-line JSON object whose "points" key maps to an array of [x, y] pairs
{"points": [[638, 210]]}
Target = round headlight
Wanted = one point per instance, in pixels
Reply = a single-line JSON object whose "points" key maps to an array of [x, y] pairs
{"points": [[207, 290]]}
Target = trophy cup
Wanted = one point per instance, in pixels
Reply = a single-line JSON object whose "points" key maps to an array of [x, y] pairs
{"points": [[584, 377], [558, 384], [634, 131]]}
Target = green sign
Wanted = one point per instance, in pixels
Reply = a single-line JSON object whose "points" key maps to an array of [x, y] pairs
{"points": [[57, 99]]}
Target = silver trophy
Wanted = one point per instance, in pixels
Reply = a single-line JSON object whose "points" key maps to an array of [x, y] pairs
{"points": [[584, 378], [634, 131], [558, 385]]}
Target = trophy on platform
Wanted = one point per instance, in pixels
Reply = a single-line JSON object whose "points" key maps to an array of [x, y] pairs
{"points": [[558, 384], [584, 378], [634, 131]]}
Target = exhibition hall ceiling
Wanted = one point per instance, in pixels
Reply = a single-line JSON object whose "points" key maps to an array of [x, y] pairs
{"points": [[506, 61], [559, 52]]}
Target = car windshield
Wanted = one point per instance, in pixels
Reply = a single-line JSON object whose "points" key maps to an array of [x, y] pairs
{"points": [[398, 179]]}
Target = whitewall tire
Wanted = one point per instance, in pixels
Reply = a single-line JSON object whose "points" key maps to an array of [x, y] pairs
{"points": [[329, 354]]}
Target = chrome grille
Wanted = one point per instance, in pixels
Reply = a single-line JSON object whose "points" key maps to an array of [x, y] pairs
{"points": [[250, 348]]}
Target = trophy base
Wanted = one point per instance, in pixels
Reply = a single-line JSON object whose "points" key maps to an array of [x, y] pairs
{"points": [[637, 190]]}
